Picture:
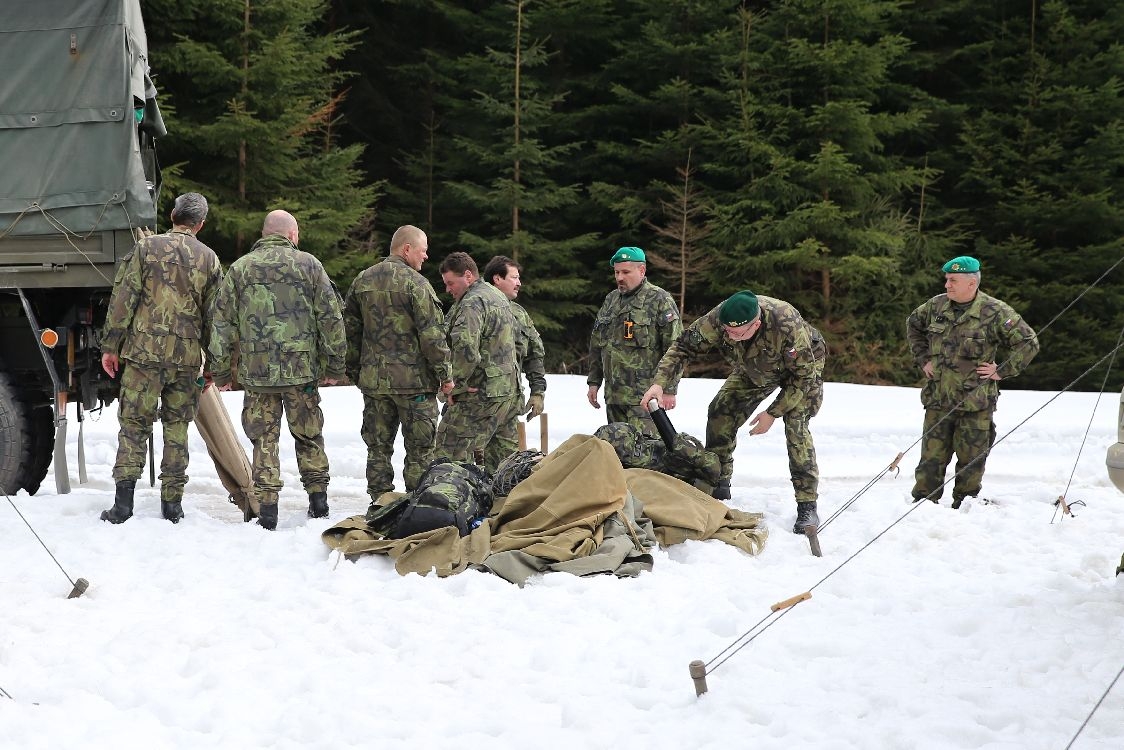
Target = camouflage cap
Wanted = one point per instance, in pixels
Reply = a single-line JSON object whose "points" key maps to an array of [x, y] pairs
{"points": [[739, 309], [628, 255], [962, 264]]}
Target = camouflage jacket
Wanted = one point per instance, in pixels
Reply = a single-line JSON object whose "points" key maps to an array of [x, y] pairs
{"points": [[631, 333], [160, 309], [532, 354], [278, 308], [395, 331], [786, 352], [481, 330], [986, 330]]}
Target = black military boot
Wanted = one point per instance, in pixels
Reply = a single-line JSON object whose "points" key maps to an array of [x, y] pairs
{"points": [[806, 515], [122, 509], [171, 510], [267, 516], [721, 490], [318, 505]]}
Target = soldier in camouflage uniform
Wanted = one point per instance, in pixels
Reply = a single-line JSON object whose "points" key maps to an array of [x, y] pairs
{"points": [[964, 341], [482, 410], [279, 310], [636, 324], [159, 321], [768, 345], [506, 275], [398, 356]]}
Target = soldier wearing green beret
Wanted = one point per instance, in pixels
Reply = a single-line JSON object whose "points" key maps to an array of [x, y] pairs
{"points": [[768, 345], [965, 342], [636, 324]]}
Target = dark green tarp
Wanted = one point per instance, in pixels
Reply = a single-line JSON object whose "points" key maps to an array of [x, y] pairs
{"points": [[74, 74]]}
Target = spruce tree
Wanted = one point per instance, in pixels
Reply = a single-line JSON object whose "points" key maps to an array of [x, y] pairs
{"points": [[1041, 174], [498, 167], [814, 200], [252, 94]]}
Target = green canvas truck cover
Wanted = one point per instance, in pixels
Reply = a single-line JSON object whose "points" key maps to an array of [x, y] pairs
{"points": [[76, 103]]}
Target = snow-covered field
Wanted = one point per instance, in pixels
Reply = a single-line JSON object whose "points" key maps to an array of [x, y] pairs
{"points": [[989, 627]]}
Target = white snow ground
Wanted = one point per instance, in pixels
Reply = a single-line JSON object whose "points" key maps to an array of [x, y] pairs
{"points": [[985, 628]]}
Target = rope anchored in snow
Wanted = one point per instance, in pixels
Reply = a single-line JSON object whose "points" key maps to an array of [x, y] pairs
{"points": [[78, 587]]}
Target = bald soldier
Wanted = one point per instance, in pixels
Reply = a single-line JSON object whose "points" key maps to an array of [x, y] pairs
{"points": [[636, 324], [768, 345], [278, 308], [398, 356], [964, 342]]}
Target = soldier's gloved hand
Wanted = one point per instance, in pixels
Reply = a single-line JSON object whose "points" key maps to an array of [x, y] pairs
{"points": [[535, 405]]}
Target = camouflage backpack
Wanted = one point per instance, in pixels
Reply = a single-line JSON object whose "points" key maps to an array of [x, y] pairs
{"points": [[448, 494], [687, 460], [513, 470]]}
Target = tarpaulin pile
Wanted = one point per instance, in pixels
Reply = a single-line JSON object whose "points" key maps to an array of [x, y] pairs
{"points": [[579, 512]]}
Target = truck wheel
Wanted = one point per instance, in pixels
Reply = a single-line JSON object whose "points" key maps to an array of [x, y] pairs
{"points": [[41, 420], [15, 439]]}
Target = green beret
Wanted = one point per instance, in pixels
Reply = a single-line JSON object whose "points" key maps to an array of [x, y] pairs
{"points": [[739, 309], [628, 254], [962, 264]]}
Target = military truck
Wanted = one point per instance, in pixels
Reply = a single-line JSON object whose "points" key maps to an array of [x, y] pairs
{"points": [[78, 182]]}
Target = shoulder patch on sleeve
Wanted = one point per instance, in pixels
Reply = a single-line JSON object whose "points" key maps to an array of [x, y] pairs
{"points": [[670, 316], [791, 353], [1009, 322]]}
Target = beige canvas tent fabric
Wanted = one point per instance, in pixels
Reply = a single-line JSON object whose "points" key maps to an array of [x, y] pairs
{"points": [[575, 513], [680, 512], [557, 512], [442, 550], [214, 425]]}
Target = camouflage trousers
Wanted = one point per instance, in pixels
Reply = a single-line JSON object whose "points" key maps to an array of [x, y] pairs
{"points": [[637, 416], [733, 405], [261, 419], [145, 393], [968, 434], [484, 424], [382, 416]]}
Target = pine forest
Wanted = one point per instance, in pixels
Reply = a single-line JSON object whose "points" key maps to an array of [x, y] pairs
{"points": [[832, 153]]}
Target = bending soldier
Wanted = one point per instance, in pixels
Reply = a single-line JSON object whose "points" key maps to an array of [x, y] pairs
{"points": [[768, 345]]}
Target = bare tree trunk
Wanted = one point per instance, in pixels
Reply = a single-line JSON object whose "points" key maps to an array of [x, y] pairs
{"points": [[516, 176], [240, 239]]}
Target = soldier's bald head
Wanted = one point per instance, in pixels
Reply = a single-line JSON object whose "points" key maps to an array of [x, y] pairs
{"points": [[279, 222], [406, 235], [411, 245]]}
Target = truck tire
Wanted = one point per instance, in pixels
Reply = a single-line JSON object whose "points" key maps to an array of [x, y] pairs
{"points": [[41, 426], [15, 438]]}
